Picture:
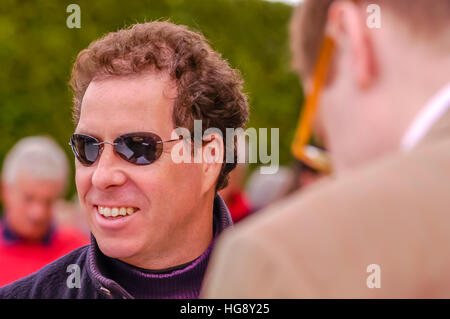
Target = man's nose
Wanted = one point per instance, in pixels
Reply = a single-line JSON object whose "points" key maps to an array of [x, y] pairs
{"points": [[39, 210], [108, 172]]}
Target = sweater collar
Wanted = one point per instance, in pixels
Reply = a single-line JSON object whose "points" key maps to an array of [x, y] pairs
{"points": [[182, 281]]}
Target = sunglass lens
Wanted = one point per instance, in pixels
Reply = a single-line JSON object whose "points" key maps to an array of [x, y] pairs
{"points": [[85, 148], [140, 148]]}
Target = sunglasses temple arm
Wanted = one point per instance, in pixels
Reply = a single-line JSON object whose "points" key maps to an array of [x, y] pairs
{"points": [[181, 138], [173, 140], [304, 127]]}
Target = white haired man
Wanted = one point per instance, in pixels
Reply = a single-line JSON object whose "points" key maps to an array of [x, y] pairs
{"points": [[34, 176]]}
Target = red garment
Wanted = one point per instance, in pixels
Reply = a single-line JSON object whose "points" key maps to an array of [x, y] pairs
{"points": [[239, 206], [19, 259]]}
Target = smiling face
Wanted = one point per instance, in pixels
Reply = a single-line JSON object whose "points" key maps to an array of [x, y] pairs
{"points": [[171, 222]]}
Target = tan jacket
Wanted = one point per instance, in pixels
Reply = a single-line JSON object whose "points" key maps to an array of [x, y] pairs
{"points": [[394, 213]]}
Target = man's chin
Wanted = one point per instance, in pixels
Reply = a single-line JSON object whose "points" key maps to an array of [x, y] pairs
{"points": [[34, 235], [117, 248]]}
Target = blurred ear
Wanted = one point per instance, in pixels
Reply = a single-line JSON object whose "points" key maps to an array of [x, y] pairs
{"points": [[347, 26], [5, 192], [212, 159], [2, 187]]}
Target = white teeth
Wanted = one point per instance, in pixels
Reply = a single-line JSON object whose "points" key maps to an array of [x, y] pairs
{"points": [[106, 211], [115, 211]]}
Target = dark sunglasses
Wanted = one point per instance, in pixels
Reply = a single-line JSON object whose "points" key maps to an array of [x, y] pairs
{"points": [[141, 148]]}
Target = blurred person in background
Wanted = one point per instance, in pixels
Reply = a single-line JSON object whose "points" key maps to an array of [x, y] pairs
{"points": [[34, 177], [381, 227], [265, 189], [68, 213], [305, 175], [234, 194]]}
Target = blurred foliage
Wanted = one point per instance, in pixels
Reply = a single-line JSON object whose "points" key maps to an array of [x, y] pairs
{"points": [[37, 50]]}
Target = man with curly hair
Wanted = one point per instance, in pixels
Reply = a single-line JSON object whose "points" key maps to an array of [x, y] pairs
{"points": [[153, 220]]}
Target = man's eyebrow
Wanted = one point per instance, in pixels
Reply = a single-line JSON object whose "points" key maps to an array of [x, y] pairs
{"points": [[85, 132]]}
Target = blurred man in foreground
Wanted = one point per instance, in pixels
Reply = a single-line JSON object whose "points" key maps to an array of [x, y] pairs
{"points": [[384, 115], [34, 177]]}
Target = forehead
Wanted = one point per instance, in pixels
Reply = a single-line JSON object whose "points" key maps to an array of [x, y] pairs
{"points": [[44, 188], [119, 105]]}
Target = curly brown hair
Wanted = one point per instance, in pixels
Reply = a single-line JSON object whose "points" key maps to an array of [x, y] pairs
{"points": [[208, 89]]}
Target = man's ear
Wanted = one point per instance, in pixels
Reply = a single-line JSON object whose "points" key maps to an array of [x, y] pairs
{"points": [[346, 24], [4, 192], [212, 159]]}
